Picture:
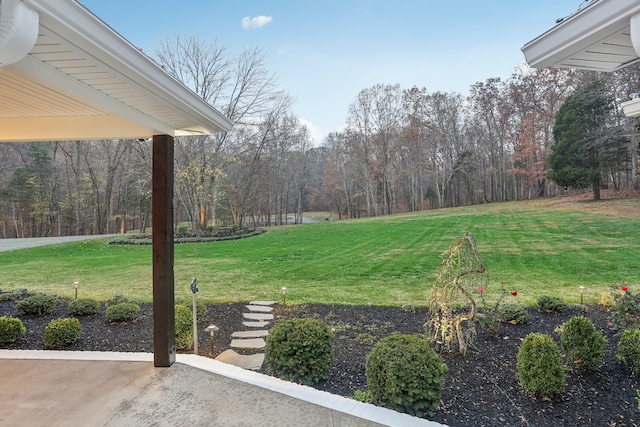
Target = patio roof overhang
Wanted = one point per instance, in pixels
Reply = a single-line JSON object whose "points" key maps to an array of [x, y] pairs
{"points": [[602, 36], [66, 75], [81, 80], [597, 37]]}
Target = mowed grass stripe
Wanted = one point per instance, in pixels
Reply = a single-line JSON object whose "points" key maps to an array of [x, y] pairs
{"points": [[536, 249]]}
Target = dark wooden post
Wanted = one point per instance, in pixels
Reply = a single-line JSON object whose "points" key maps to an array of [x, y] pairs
{"points": [[164, 336]]}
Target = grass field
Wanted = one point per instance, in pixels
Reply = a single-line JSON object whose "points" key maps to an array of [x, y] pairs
{"points": [[540, 247]]}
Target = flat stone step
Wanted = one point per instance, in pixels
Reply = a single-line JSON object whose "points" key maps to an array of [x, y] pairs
{"points": [[255, 324], [256, 333], [259, 308], [249, 343], [253, 361], [257, 316], [263, 302]]}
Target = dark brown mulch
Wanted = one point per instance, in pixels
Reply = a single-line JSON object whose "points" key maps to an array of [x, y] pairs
{"points": [[481, 388]]}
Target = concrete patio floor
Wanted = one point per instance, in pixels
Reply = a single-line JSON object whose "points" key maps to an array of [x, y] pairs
{"points": [[58, 388]]}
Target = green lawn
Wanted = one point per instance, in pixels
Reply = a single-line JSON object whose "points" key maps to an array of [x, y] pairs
{"points": [[536, 248]]}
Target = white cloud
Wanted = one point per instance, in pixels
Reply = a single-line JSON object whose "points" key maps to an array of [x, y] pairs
{"points": [[316, 133], [251, 23]]}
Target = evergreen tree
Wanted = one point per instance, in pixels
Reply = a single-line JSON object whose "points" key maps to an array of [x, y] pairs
{"points": [[587, 140]]}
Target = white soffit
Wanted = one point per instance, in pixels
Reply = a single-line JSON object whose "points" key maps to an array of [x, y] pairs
{"points": [[597, 37], [82, 80]]}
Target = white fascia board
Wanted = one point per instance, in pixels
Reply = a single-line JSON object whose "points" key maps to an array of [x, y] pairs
{"points": [[594, 23], [78, 26]]}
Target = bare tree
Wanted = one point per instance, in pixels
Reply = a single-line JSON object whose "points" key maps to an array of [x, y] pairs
{"points": [[375, 123], [239, 86], [537, 94]]}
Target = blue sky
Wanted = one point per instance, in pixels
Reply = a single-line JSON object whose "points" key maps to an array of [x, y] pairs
{"points": [[326, 51]]}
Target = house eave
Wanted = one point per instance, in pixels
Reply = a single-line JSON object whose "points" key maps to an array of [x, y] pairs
{"points": [[596, 37], [122, 89]]}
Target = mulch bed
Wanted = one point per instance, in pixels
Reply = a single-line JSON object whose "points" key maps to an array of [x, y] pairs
{"points": [[481, 388]]}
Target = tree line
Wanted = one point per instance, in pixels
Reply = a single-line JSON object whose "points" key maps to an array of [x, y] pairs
{"points": [[402, 150]]}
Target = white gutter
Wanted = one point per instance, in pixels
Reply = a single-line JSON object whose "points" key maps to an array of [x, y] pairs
{"points": [[18, 31]]}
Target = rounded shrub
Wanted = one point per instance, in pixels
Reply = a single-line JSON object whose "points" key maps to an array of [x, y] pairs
{"points": [[539, 365], [201, 307], [124, 312], [625, 312], [184, 327], [300, 350], [11, 329], [14, 295], [549, 303], [37, 305], [60, 333], [582, 343], [629, 350], [405, 374], [512, 313], [83, 307]]}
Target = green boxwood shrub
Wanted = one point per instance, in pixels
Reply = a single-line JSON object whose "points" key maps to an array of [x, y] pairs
{"points": [[7, 296], [60, 333], [37, 305], [83, 307], [539, 365], [300, 350], [512, 313], [549, 303], [582, 343], [184, 327], [201, 306], [11, 329], [123, 312], [629, 350], [14, 295], [362, 396], [626, 310], [405, 374]]}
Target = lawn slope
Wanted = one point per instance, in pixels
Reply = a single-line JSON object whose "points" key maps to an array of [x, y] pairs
{"points": [[539, 247]]}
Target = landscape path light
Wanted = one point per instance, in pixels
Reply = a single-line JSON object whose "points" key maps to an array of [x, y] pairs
{"points": [[582, 288], [284, 295], [75, 285], [212, 329]]}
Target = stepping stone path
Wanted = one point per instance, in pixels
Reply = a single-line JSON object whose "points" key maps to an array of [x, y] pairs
{"points": [[252, 339]]}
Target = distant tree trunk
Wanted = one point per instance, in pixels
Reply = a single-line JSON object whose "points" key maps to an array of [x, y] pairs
{"points": [[596, 188]]}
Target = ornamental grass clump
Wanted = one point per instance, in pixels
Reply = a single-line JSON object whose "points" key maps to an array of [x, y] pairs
{"points": [[405, 374], [629, 350], [11, 329], [300, 350], [37, 305], [582, 343], [184, 327], [60, 333], [83, 307], [539, 366]]}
